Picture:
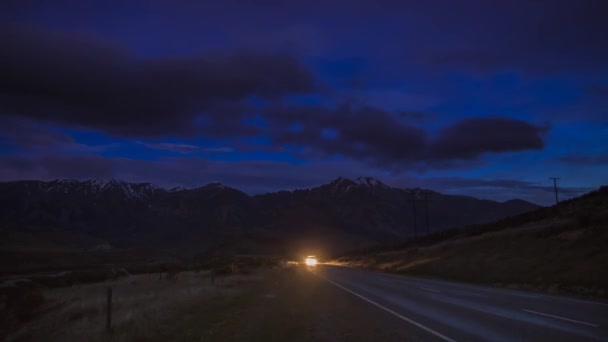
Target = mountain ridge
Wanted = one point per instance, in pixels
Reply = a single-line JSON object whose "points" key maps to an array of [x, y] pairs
{"points": [[361, 181], [347, 210]]}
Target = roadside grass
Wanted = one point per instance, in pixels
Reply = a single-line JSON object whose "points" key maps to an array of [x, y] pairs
{"points": [[144, 308], [295, 305], [287, 303]]}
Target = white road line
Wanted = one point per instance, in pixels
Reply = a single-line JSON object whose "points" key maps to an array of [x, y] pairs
{"points": [[492, 290], [575, 300], [438, 334], [426, 288], [558, 317]]}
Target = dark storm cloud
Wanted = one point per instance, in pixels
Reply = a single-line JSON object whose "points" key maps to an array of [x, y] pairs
{"points": [[22, 136], [542, 35], [413, 114], [27, 134], [77, 80], [360, 132], [535, 36], [470, 138], [372, 134]]}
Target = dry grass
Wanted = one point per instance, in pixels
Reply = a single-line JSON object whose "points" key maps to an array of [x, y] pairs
{"points": [[554, 255], [144, 307]]}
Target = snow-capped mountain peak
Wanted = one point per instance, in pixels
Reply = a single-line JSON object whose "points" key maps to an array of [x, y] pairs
{"points": [[99, 186], [61, 185], [217, 185], [370, 182], [342, 184]]}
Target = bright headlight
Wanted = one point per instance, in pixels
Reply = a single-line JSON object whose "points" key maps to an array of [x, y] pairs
{"points": [[310, 261]]}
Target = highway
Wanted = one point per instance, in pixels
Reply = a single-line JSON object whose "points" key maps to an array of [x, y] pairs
{"points": [[447, 311]]}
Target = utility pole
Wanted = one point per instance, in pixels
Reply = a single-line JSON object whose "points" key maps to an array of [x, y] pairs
{"points": [[426, 210], [555, 188], [414, 213]]}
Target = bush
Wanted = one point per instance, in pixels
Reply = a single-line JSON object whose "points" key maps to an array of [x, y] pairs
{"points": [[583, 220], [19, 301]]}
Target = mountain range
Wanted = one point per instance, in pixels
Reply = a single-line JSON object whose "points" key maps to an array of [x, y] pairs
{"points": [[344, 212]]}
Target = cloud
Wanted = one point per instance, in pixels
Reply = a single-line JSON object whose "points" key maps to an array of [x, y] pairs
{"points": [[413, 114], [360, 132], [578, 159], [469, 138], [219, 149], [371, 134], [28, 134], [597, 90], [552, 36], [25, 136], [83, 81], [495, 189], [542, 35], [173, 147], [75, 79], [456, 183]]}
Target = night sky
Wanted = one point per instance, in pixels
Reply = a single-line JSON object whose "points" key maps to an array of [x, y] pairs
{"points": [[484, 98]]}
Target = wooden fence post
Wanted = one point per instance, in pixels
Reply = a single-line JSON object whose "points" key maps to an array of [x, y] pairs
{"points": [[109, 309]]}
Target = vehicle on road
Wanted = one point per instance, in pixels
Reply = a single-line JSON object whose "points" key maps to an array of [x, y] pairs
{"points": [[311, 260]]}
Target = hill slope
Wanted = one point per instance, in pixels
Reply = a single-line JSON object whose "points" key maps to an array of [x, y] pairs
{"points": [[557, 249]]}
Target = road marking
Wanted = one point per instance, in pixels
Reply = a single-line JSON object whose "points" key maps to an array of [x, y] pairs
{"points": [[423, 327], [558, 317], [575, 300], [426, 288]]}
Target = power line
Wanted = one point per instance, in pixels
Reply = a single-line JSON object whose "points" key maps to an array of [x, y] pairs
{"points": [[555, 188]]}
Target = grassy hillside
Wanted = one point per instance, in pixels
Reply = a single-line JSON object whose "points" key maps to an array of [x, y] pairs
{"points": [[561, 249]]}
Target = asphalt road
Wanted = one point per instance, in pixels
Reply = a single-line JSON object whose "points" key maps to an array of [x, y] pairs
{"points": [[446, 311]]}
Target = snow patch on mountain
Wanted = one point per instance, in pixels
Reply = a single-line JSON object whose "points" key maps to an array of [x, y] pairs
{"points": [[98, 186], [217, 185], [342, 184], [371, 182]]}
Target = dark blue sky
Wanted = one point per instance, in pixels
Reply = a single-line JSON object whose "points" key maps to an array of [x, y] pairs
{"points": [[486, 98]]}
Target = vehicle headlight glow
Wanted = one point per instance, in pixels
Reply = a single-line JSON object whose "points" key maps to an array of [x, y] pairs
{"points": [[310, 261]]}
